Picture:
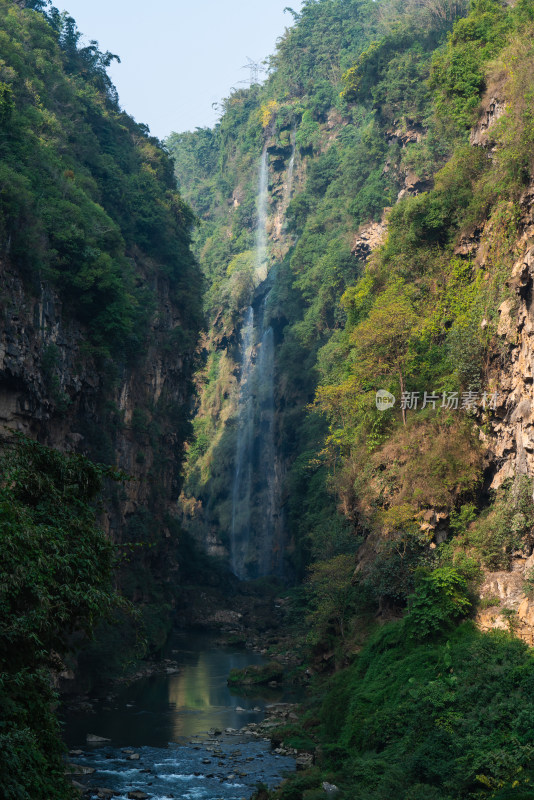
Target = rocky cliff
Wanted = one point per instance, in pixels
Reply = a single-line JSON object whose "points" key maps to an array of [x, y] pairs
{"points": [[100, 299], [510, 439], [128, 412]]}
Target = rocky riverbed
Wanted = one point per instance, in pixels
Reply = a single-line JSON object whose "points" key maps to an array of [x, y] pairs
{"points": [[229, 766], [183, 733]]}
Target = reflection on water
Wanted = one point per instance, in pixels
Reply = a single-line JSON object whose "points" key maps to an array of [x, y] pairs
{"points": [[159, 716], [199, 695], [161, 709]]}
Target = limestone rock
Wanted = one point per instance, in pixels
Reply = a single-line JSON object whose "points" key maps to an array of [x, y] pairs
{"points": [[413, 184], [511, 436], [368, 238], [407, 132], [331, 789], [493, 108]]}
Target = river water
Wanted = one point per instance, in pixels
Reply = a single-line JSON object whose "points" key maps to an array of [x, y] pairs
{"points": [[166, 721]]}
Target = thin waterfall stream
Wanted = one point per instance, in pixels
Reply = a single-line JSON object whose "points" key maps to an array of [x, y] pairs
{"points": [[290, 172], [262, 203], [241, 494], [267, 452], [254, 494]]}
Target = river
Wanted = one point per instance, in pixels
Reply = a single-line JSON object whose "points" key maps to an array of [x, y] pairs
{"points": [[164, 722]]}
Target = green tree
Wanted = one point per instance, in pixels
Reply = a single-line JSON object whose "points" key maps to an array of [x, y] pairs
{"points": [[332, 593], [55, 581]]}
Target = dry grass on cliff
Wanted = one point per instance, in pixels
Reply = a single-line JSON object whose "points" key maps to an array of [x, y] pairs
{"points": [[429, 464]]}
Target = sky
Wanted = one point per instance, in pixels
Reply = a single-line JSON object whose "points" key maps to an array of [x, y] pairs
{"points": [[179, 57]]}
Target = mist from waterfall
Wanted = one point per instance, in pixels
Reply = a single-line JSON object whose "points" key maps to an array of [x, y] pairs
{"points": [[266, 484], [242, 488]]}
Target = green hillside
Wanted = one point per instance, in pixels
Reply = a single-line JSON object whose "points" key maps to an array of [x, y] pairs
{"points": [[390, 267]]}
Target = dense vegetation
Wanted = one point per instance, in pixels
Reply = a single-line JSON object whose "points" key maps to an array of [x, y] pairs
{"points": [[379, 100], [88, 199], [442, 719], [55, 585]]}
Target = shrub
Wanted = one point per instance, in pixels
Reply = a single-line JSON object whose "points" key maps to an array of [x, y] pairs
{"points": [[440, 599], [505, 526], [55, 581]]}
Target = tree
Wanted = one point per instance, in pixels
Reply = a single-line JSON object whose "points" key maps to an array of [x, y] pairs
{"points": [[381, 341], [332, 592], [55, 581], [35, 5]]}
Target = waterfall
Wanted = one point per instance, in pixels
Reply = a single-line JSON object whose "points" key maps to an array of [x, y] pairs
{"points": [[261, 210], [265, 482], [241, 494], [254, 493], [290, 172]]}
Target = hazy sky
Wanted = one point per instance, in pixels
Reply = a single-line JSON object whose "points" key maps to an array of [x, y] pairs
{"points": [[180, 56]]}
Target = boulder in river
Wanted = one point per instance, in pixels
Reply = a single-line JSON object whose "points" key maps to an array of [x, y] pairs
{"points": [[92, 739], [136, 795], [79, 769]]}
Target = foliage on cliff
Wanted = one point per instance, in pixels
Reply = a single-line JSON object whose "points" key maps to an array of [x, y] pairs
{"points": [[442, 307], [56, 583], [87, 197]]}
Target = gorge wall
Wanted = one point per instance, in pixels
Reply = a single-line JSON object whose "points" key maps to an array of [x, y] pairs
{"points": [[129, 414], [101, 296]]}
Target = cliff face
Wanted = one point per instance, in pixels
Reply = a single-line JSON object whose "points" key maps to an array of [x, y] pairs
{"points": [[510, 438], [125, 412], [507, 435], [101, 298]]}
